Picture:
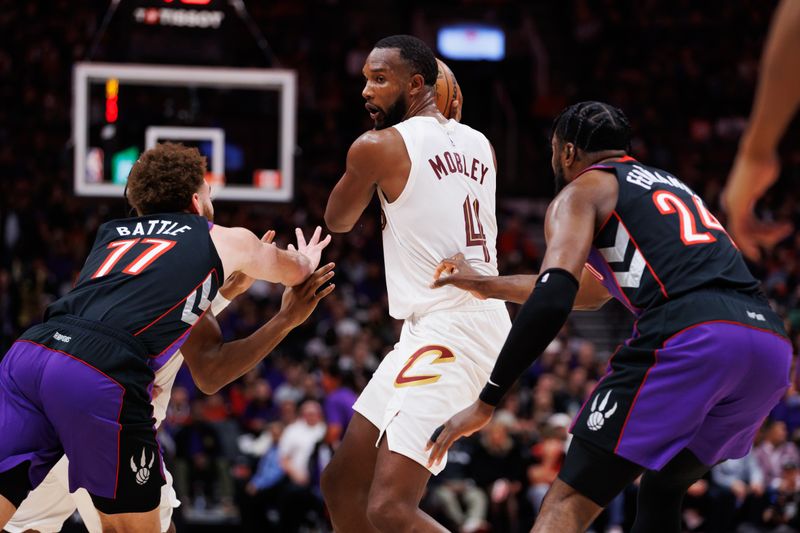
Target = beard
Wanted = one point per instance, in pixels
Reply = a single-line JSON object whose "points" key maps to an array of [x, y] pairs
{"points": [[393, 115], [560, 181]]}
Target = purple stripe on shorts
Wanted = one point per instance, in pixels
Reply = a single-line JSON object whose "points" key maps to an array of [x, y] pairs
{"points": [[56, 403], [163, 358], [710, 389]]}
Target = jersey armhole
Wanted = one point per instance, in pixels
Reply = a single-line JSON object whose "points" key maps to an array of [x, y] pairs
{"points": [[412, 172]]}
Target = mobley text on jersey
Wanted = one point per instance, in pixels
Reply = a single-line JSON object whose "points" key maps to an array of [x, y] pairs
{"points": [[455, 162], [168, 227]]}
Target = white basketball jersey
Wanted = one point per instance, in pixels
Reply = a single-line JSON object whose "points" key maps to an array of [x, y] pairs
{"points": [[447, 207]]}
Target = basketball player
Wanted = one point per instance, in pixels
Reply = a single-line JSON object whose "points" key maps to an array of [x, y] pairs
{"points": [[708, 359], [436, 181], [51, 503], [80, 384], [756, 166]]}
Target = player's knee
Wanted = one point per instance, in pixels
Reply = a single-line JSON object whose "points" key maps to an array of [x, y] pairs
{"points": [[389, 514]]}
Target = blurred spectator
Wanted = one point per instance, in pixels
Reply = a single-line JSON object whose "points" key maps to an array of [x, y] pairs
{"points": [[295, 449], [259, 410], [781, 515], [788, 412], [548, 455], [774, 452], [262, 493], [338, 402], [463, 503], [498, 467], [201, 471], [737, 489]]}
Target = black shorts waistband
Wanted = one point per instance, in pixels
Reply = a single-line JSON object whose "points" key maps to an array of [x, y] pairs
{"points": [[706, 305], [111, 332]]}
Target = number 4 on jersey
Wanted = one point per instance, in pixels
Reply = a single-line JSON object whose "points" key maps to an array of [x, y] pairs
{"points": [[473, 226]]}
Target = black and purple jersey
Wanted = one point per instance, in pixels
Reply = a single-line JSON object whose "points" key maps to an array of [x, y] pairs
{"points": [[661, 241], [152, 277]]}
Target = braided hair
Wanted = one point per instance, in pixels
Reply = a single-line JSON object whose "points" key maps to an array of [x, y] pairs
{"points": [[593, 126]]}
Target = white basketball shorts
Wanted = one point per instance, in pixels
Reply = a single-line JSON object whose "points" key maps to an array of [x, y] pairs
{"points": [[438, 368]]}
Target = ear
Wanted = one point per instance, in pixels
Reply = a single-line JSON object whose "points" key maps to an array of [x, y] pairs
{"points": [[195, 205], [416, 84], [569, 154]]}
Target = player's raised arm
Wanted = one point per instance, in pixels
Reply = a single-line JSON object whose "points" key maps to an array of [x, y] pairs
{"points": [[372, 158], [240, 250], [215, 363]]}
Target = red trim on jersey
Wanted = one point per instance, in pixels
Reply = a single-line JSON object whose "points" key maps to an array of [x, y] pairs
{"points": [[633, 404], [625, 159], [184, 334], [763, 330], [593, 167], [121, 399], [646, 262], [594, 272], [613, 277], [212, 271], [603, 225]]}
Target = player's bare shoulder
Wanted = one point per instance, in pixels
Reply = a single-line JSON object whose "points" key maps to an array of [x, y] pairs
{"points": [[376, 146], [594, 189], [380, 157]]}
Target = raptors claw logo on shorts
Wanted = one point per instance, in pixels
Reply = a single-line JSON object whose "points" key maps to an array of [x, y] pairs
{"points": [[143, 472], [597, 417]]}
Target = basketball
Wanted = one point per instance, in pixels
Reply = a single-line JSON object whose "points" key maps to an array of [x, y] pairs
{"points": [[447, 90]]}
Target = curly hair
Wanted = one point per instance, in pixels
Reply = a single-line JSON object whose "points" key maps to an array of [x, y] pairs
{"points": [[164, 179], [416, 53]]}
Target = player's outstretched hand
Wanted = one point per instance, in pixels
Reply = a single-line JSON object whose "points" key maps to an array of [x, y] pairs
{"points": [[748, 181], [462, 424], [456, 271], [299, 301], [313, 248], [238, 282]]}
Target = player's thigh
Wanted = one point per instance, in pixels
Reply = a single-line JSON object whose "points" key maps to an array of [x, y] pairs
{"points": [[398, 479], [147, 522], [353, 463], [6, 510], [596, 473], [47, 506]]}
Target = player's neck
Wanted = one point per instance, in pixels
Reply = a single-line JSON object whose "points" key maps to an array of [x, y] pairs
{"points": [[425, 107], [596, 158]]}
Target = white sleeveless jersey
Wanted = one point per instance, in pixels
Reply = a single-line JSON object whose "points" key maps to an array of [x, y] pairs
{"points": [[446, 207]]}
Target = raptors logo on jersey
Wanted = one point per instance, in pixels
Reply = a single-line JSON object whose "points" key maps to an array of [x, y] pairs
{"points": [[446, 207], [661, 241]]}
